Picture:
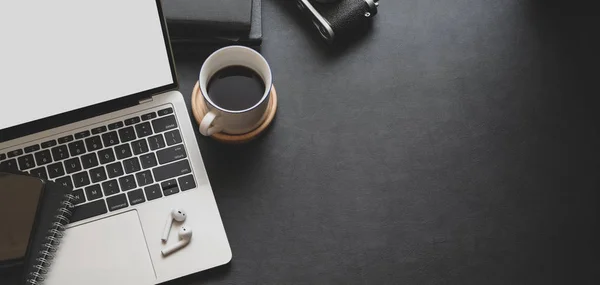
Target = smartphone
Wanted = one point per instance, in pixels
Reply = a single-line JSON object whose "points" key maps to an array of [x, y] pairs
{"points": [[20, 201]]}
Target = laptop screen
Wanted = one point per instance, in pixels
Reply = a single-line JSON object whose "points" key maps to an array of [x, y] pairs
{"points": [[58, 56]]}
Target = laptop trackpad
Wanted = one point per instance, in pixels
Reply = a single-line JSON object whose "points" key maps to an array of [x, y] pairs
{"points": [[108, 251]]}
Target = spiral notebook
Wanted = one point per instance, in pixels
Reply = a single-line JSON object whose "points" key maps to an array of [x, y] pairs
{"points": [[33, 216]]}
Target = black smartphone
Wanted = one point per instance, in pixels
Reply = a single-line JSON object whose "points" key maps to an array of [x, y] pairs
{"points": [[20, 201]]}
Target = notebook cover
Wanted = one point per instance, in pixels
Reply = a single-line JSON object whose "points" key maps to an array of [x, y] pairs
{"points": [[212, 16], [55, 210], [199, 36]]}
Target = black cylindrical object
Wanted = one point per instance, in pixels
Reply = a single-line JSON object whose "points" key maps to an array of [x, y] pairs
{"points": [[335, 19]]}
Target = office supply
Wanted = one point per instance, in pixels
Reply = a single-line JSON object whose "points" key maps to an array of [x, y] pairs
{"points": [[255, 36], [231, 16], [126, 145], [33, 214], [189, 23]]}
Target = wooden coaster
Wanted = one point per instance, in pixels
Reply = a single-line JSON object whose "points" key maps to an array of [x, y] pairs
{"points": [[199, 109]]}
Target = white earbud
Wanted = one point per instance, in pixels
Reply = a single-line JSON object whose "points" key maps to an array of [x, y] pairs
{"points": [[185, 235], [177, 215]]}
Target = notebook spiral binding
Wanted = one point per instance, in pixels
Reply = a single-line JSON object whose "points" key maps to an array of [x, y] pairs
{"points": [[45, 256]]}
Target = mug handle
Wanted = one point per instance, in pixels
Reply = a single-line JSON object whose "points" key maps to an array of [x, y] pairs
{"points": [[206, 126]]}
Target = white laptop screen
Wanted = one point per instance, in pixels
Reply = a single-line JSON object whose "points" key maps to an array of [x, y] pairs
{"points": [[58, 56]]}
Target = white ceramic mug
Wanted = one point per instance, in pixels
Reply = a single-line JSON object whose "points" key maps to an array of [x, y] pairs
{"points": [[219, 119]]}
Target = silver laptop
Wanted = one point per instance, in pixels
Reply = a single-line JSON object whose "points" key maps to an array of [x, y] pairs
{"points": [[89, 99]]}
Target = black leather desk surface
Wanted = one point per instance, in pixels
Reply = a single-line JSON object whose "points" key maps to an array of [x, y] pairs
{"points": [[458, 143]]}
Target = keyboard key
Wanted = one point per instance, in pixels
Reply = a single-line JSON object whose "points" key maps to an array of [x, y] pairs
{"points": [[127, 134], [165, 111], [132, 121], [144, 178], [186, 182], [171, 154], [81, 179], [93, 192], [98, 130], [81, 135], [94, 143], [132, 165], [164, 124], [172, 170], [110, 139], [148, 116], [116, 202], [143, 130], [10, 164], [77, 148], [169, 187], [127, 182], [123, 151], [168, 184], [49, 144], [26, 162], [15, 153], [110, 187], [79, 198], [88, 210], [2, 156], [98, 174], [148, 160], [156, 142], [32, 148], [139, 147], [89, 160], [114, 170], [39, 172], [106, 156], [56, 170], [60, 152], [115, 126], [65, 139], [65, 181], [136, 197], [153, 192], [72, 165], [43, 157], [173, 137]]}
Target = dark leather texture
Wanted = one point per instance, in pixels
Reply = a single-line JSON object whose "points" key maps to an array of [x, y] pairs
{"points": [[185, 34], [213, 17], [456, 143], [344, 17]]}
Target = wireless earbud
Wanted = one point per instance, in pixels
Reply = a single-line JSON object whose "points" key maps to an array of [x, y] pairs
{"points": [[185, 235], [177, 215]]}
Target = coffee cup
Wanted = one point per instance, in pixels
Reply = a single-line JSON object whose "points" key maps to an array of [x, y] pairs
{"points": [[235, 83]]}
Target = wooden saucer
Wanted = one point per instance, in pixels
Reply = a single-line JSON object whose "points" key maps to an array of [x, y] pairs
{"points": [[199, 109]]}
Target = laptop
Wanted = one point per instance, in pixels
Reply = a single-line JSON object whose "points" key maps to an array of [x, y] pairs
{"points": [[89, 99]]}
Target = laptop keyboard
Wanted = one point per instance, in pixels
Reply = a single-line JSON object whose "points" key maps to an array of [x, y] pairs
{"points": [[115, 166]]}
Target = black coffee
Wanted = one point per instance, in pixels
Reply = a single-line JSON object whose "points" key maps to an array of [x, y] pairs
{"points": [[236, 88]]}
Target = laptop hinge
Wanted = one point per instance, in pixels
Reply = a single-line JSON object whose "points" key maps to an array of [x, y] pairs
{"points": [[147, 100]]}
